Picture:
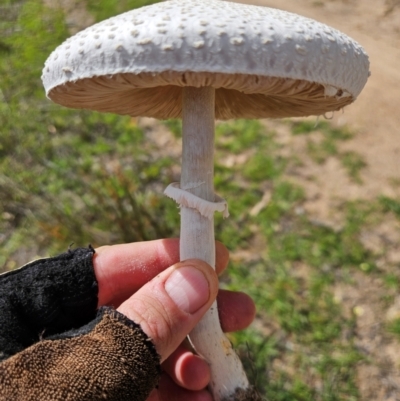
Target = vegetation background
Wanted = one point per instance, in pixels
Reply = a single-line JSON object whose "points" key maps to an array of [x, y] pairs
{"points": [[322, 264]]}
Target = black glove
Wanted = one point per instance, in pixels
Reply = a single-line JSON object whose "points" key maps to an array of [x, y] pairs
{"points": [[53, 345]]}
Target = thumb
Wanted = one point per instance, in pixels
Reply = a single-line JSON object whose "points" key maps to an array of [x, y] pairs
{"points": [[171, 304]]}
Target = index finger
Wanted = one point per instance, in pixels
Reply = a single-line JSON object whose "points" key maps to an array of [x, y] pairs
{"points": [[122, 269]]}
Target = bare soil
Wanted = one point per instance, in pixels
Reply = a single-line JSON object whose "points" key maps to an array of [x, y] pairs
{"points": [[375, 118]]}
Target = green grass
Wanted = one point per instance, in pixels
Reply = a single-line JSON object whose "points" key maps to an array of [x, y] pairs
{"points": [[69, 176], [60, 168], [394, 327], [324, 141], [308, 324], [106, 9], [390, 205]]}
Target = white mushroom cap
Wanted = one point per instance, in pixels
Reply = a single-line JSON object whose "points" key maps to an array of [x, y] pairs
{"points": [[263, 62]]}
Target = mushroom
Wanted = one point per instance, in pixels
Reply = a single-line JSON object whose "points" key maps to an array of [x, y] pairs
{"points": [[201, 61]]}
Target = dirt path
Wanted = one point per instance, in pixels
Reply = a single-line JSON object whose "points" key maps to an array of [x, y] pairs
{"points": [[375, 117], [376, 113]]}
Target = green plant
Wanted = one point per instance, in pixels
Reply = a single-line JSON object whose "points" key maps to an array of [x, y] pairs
{"points": [[107, 8], [394, 327], [304, 323], [353, 163], [390, 205], [323, 141], [65, 175]]}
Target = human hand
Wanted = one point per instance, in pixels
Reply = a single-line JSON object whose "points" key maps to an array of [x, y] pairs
{"points": [[143, 269]]}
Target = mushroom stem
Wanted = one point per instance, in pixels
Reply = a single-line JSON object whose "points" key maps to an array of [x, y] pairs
{"points": [[228, 378], [197, 178]]}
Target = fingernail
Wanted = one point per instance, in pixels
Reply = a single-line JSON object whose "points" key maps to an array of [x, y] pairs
{"points": [[188, 288]]}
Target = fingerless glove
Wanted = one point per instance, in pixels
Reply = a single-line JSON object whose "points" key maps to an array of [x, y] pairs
{"points": [[55, 346]]}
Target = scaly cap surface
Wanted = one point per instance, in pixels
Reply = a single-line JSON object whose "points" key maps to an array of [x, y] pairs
{"points": [[263, 62]]}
